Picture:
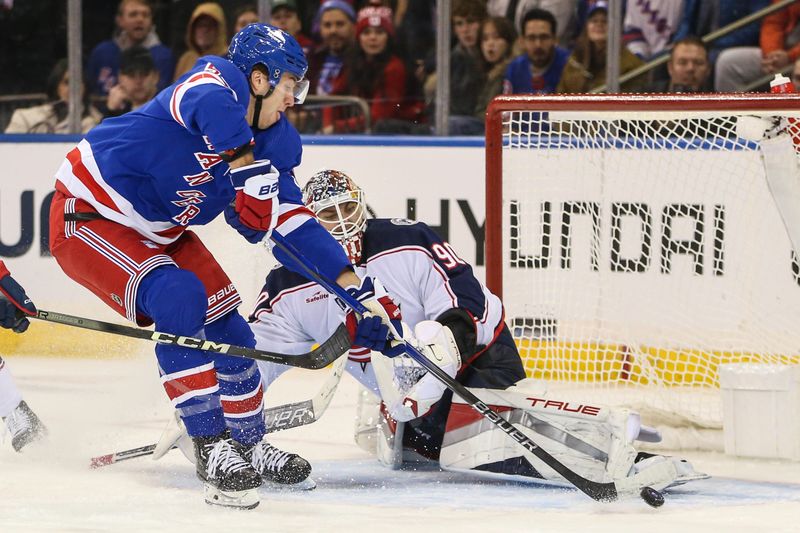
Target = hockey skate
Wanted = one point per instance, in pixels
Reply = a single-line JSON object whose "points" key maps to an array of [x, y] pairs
{"points": [[24, 426], [230, 480], [282, 469]]}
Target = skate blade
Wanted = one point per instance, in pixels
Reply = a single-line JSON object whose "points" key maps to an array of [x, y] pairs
{"points": [[306, 484], [241, 499]]}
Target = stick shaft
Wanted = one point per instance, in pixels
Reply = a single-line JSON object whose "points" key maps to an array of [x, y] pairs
{"points": [[320, 357]]}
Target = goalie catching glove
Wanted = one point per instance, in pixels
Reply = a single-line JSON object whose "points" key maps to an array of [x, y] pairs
{"points": [[257, 196], [407, 389]]}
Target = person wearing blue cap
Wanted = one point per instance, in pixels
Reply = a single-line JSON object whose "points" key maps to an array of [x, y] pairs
{"points": [[335, 23], [586, 66]]}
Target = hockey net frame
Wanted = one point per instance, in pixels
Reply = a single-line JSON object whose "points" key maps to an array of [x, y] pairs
{"points": [[617, 375]]}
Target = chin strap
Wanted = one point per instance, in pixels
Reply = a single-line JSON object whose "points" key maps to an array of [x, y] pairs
{"points": [[259, 102], [257, 110]]}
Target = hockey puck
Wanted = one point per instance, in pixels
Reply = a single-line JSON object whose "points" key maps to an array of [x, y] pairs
{"points": [[652, 497]]}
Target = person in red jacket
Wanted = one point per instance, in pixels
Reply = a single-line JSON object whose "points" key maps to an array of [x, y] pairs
{"points": [[375, 74], [779, 47], [21, 422]]}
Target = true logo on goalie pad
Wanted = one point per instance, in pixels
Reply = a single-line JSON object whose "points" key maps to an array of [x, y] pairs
{"points": [[564, 406]]}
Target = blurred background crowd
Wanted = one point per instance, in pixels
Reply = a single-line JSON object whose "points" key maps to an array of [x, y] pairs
{"points": [[372, 63]]}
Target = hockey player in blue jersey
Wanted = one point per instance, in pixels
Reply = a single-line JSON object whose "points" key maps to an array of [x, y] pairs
{"points": [[125, 197], [459, 324]]}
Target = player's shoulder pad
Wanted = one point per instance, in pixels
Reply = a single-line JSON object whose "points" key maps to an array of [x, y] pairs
{"points": [[280, 143], [232, 76], [390, 233], [281, 279]]}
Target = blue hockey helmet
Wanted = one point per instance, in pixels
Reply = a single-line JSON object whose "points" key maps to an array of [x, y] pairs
{"points": [[279, 52]]}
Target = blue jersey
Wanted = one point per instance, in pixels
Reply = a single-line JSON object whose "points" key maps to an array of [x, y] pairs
{"points": [[158, 170], [519, 80]]}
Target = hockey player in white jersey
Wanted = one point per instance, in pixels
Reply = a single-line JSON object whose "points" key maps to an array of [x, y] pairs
{"points": [[459, 324]]}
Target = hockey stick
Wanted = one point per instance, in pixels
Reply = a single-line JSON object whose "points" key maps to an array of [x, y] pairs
{"points": [[278, 418], [320, 357], [609, 491]]}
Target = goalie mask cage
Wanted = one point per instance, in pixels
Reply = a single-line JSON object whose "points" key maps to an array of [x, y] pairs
{"points": [[637, 247]]}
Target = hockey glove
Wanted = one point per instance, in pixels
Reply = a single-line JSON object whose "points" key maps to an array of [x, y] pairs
{"points": [[384, 334], [232, 218], [257, 195], [14, 303]]}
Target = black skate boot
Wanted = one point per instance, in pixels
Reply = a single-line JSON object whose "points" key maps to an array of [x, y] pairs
{"points": [[277, 466], [24, 426], [230, 480]]}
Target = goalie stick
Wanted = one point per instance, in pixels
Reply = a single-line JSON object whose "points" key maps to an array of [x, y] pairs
{"points": [[278, 418], [320, 357], [599, 491]]}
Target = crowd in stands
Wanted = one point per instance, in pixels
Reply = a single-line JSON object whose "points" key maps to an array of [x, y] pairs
{"points": [[383, 52]]}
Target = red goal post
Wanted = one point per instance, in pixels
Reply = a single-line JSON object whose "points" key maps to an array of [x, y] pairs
{"points": [[640, 242]]}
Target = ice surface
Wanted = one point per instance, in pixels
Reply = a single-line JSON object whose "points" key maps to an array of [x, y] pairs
{"points": [[97, 406]]}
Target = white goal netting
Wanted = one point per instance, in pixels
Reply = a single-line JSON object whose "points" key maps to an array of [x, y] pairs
{"points": [[641, 249]]}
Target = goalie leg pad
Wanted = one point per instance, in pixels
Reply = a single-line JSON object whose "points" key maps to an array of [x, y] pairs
{"points": [[594, 441]]}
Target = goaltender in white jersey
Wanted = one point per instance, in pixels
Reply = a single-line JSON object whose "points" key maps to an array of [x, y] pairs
{"points": [[459, 324]]}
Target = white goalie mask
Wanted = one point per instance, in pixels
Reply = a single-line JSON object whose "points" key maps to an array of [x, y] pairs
{"points": [[339, 205]]}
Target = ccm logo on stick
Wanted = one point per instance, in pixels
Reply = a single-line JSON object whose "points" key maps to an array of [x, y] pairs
{"points": [[564, 406], [190, 342]]}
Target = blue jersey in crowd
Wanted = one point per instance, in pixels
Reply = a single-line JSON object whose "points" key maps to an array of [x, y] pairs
{"points": [[102, 69], [519, 80]]}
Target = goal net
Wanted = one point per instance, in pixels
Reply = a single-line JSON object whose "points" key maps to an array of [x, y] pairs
{"points": [[637, 246]]}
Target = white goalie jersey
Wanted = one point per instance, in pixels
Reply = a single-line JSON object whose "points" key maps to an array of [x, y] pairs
{"points": [[421, 273]]}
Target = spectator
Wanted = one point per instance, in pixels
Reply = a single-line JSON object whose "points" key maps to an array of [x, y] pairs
{"points": [[796, 76], [284, 16], [336, 21], [586, 67], [780, 46], [515, 10], [466, 73], [138, 82], [497, 40], [246, 14], [206, 34], [415, 30], [649, 25], [688, 68], [539, 69], [134, 28], [375, 74], [52, 116], [701, 17]]}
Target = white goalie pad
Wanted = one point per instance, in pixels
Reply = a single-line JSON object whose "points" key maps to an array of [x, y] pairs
{"points": [[407, 390], [592, 440], [174, 434]]}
